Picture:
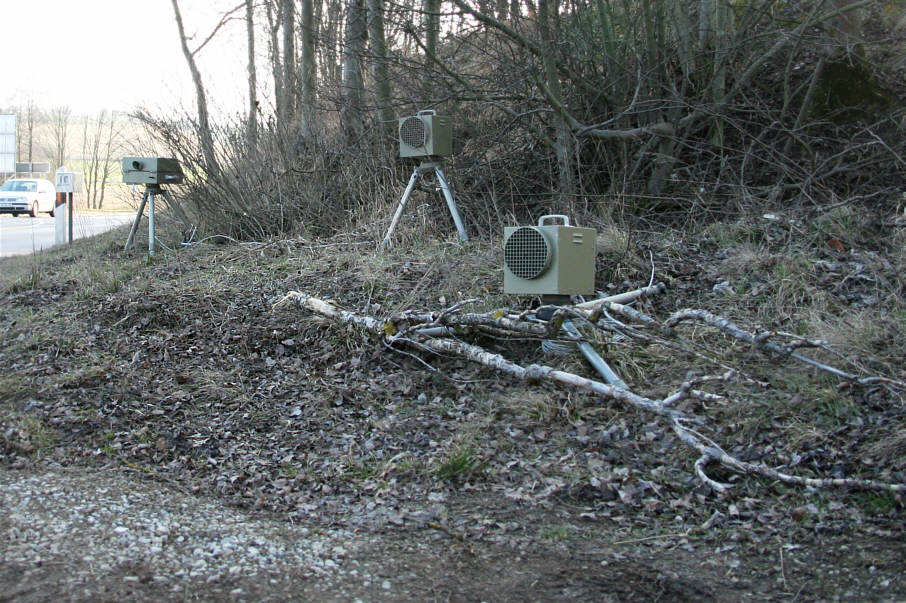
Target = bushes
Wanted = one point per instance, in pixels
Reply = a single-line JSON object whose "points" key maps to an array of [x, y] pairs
{"points": [[702, 109]]}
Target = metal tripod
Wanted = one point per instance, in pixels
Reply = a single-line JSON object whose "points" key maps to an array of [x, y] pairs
{"points": [[427, 166], [151, 191]]}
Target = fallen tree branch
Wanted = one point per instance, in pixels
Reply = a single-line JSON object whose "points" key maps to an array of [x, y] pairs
{"points": [[446, 346], [324, 308], [762, 343], [709, 451], [536, 373], [407, 321]]}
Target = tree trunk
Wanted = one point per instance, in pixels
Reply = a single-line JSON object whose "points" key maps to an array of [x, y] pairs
{"points": [[204, 127], [379, 65], [307, 72], [705, 28], [564, 145], [287, 22], [274, 51], [253, 86], [723, 19], [352, 112], [515, 10], [431, 9], [59, 124], [329, 63], [431, 16]]}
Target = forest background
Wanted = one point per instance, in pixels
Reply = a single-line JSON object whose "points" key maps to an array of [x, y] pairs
{"points": [[598, 108]]}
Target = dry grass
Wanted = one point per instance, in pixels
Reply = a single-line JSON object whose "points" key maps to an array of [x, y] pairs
{"points": [[123, 317]]}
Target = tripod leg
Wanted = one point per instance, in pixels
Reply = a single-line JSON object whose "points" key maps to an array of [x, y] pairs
{"points": [[151, 225], [451, 204], [138, 219], [400, 207]]}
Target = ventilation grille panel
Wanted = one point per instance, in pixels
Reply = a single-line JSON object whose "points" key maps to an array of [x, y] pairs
{"points": [[413, 132], [527, 253]]}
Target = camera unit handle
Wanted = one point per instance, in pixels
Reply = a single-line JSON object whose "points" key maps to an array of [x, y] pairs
{"points": [[542, 219]]}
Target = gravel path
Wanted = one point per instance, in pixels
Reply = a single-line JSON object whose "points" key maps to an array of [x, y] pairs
{"points": [[105, 531], [111, 535]]}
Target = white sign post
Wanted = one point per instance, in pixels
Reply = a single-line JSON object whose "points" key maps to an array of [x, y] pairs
{"points": [[65, 185]]}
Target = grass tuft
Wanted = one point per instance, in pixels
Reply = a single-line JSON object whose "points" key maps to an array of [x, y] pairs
{"points": [[460, 461]]}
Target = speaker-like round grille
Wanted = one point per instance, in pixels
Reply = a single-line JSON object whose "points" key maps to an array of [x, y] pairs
{"points": [[413, 132], [526, 252]]}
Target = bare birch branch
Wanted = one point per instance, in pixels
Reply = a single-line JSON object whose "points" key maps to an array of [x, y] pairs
{"points": [[760, 341], [709, 451], [686, 389], [713, 453], [536, 373], [313, 304]]}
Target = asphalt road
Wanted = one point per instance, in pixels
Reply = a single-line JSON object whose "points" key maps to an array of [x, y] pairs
{"points": [[24, 235]]}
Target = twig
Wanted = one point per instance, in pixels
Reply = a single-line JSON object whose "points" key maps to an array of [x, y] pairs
{"points": [[686, 390], [708, 450], [658, 537], [760, 341], [714, 452], [782, 571], [448, 531]]}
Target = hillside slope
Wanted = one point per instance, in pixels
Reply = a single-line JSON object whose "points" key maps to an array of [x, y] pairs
{"points": [[177, 375]]}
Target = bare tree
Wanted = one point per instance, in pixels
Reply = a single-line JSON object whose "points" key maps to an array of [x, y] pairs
{"points": [[204, 126], [59, 130], [27, 126], [100, 138], [91, 141], [308, 70], [290, 93], [253, 84], [352, 113], [379, 63]]}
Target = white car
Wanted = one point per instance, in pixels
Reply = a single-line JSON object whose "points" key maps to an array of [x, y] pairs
{"points": [[27, 196]]}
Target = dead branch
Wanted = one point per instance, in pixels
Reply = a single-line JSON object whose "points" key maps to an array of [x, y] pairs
{"points": [[446, 346], [313, 304], [761, 342], [686, 389], [405, 322], [681, 422], [711, 452], [537, 373]]}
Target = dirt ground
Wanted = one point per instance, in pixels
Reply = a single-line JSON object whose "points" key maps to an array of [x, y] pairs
{"points": [[428, 563], [175, 381]]}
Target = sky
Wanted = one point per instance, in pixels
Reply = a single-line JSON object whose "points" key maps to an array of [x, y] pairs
{"points": [[92, 55]]}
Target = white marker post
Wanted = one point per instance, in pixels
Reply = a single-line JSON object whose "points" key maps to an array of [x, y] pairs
{"points": [[65, 185]]}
